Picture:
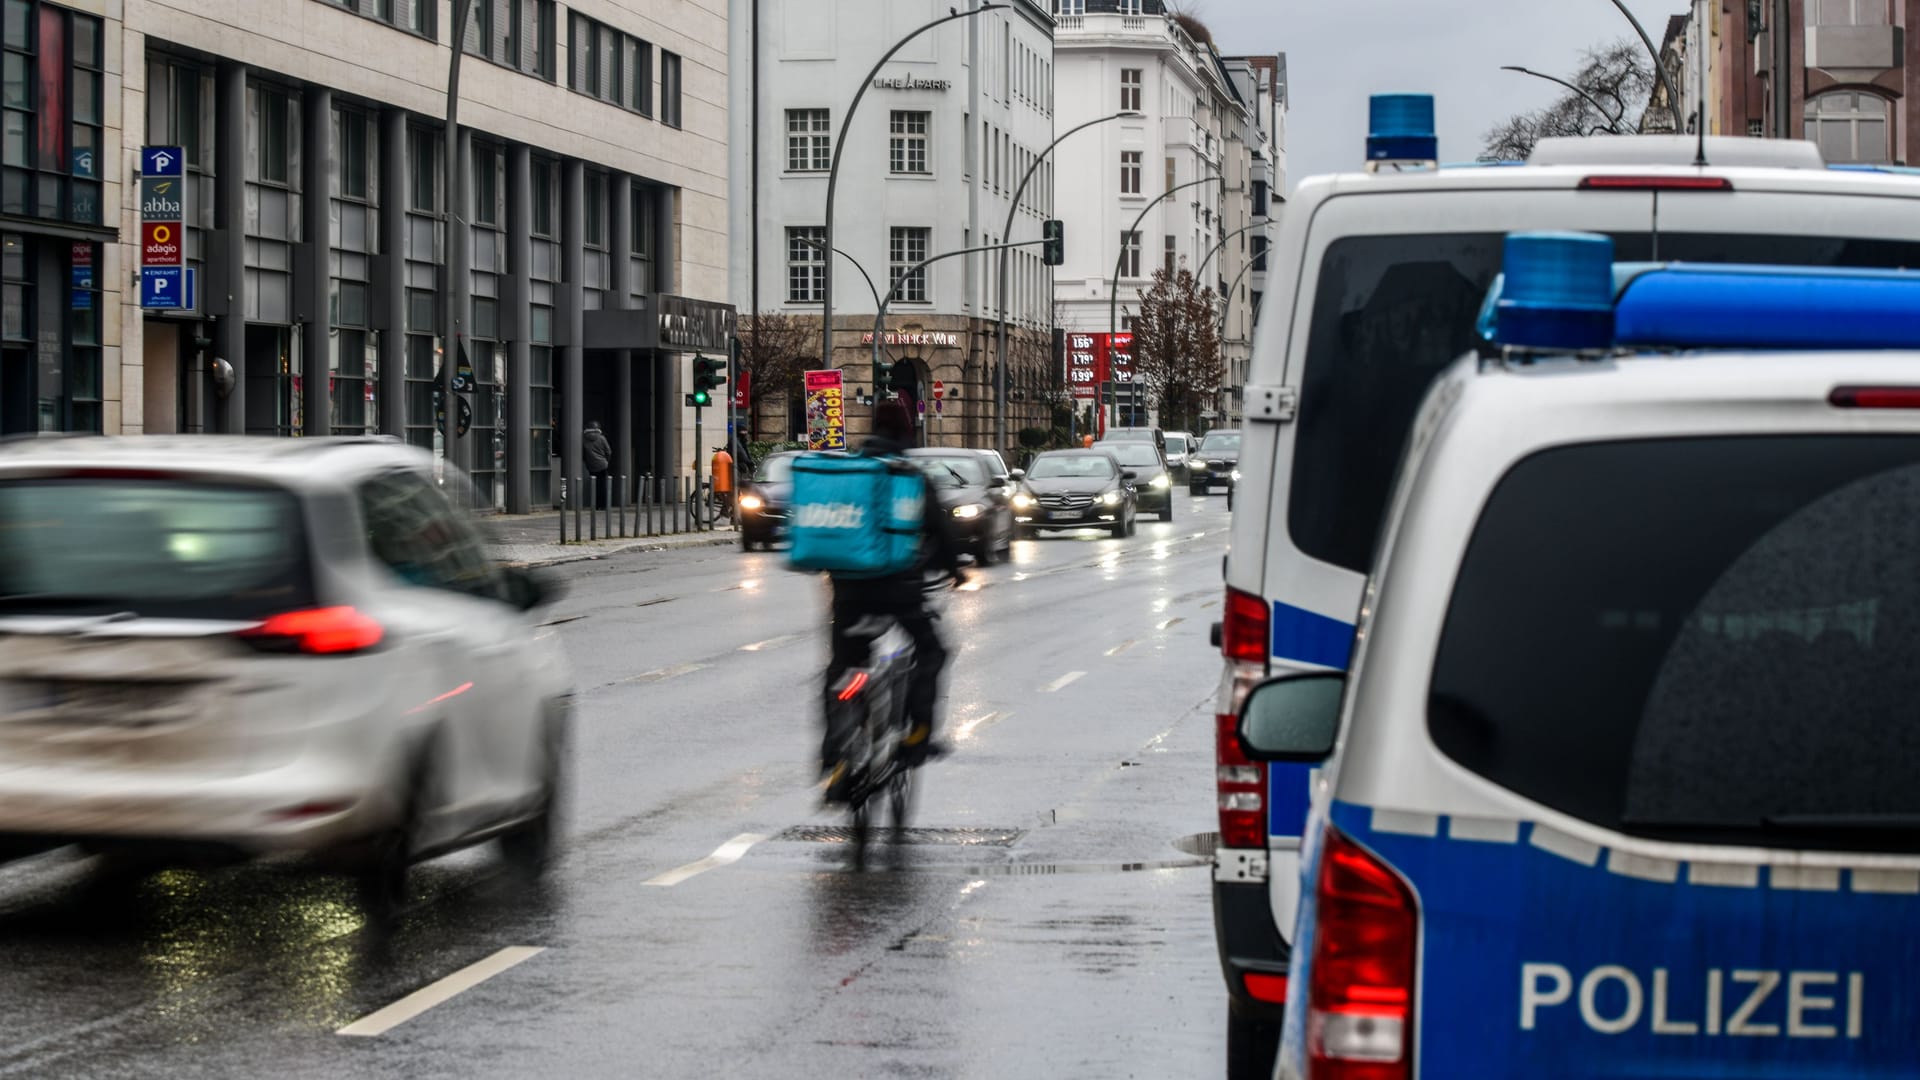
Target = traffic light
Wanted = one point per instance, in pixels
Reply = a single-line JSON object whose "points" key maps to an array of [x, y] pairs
{"points": [[706, 376], [1053, 249]]}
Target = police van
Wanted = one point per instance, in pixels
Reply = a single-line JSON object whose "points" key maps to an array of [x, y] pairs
{"points": [[1378, 280], [1623, 779]]}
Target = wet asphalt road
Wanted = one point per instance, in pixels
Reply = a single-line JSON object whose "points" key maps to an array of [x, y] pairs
{"points": [[1044, 924]]}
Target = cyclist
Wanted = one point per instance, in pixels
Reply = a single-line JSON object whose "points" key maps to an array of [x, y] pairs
{"points": [[902, 599]]}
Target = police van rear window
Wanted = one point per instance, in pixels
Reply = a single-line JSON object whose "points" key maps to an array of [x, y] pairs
{"points": [[1391, 312], [1706, 640]]}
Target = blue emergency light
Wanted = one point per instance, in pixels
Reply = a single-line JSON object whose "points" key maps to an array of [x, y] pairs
{"points": [[1713, 306], [1556, 292], [1400, 128]]}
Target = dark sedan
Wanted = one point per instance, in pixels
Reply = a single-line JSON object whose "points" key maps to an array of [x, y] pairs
{"points": [[1153, 480], [763, 501], [1215, 463], [975, 501], [1071, 489]]}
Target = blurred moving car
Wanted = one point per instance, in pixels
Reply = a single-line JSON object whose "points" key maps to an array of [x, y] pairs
{"points": [[1136, 434], [763, 500], [1153, 483], [977, 504], [234, 648], [1180, 446], [1216, 462], [997, 466], [1070, 489]]}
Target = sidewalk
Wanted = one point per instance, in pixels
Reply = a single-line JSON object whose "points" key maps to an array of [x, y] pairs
{"points": [[534, 539]]}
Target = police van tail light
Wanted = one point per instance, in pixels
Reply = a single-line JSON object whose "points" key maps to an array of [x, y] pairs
{"points": [[1245, 631], [1360, 991], [1243, 789]]}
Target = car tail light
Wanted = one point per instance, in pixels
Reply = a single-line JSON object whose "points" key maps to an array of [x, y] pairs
{"points": [[1264, 987], [1244, 632], [1242, 783], [328, 631], [1360, 990], [1875, 397], [1656, 183]]}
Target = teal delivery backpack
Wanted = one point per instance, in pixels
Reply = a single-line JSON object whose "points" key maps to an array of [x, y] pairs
{"points": [[855, 516]]}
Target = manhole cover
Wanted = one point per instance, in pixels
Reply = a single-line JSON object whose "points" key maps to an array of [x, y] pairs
{"points": [[966, 837]]}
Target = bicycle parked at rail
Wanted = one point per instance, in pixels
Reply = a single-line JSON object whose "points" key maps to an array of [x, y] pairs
{"points": [[867, 706], [707, 507]]}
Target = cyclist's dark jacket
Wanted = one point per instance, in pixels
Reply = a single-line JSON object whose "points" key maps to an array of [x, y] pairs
{"points": [[937, 551]]}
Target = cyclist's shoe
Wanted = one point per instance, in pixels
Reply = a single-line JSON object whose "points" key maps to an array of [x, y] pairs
{"points": [[919, 746], [839, 784]]}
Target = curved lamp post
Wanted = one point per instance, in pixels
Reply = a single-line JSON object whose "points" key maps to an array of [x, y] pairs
{"points": [[1119, 264], [1659, 69], [450, 317], [1613, 122], [1223, 243], [840, 145], [1000, 375]]}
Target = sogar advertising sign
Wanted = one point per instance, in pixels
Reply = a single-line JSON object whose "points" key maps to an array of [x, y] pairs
{"points": [[826, 410]]}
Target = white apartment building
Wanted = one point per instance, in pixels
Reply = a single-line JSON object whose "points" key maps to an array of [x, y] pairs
{"points": [[1195, 127], [590, 245], [942, 136], [1261, 82]]}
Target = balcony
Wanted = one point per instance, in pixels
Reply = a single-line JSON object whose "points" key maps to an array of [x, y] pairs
{"points": [[1856, 48]]}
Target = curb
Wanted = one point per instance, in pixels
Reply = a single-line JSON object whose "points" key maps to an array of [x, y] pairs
{"points": [[728, 539]]}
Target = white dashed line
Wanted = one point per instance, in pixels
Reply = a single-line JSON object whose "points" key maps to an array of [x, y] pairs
{"points": [[662, 674], [1170, 622], [724, 855], [1063, 681], [972, 727], [438, 993], [772, 643], [1122, 647]]}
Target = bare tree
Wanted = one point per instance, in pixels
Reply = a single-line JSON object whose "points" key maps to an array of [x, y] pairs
{"points": [[1176, 347], [1618, 77], [775, 349]]}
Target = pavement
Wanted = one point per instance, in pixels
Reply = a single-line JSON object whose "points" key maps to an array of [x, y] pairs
{"points": [[534, 539], [1047, 916]]}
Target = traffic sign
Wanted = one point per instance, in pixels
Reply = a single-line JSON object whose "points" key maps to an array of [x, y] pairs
{"points": [[939, 390], [163, 287], [162, 161], [160, 244]]}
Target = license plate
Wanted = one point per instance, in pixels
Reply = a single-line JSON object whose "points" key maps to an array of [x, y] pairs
{"points": [[1063, 515]]}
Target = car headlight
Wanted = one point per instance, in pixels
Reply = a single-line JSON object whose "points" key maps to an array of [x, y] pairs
{"points": [[1236, 474], [750, 502], [1112, 498], [1023, 501], [965, 512], [1161, 482]]}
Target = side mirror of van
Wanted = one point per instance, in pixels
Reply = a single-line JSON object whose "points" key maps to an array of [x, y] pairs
{"points": [[1293, 718]]}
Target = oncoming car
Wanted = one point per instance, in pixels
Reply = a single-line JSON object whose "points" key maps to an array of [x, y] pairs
{"points": [[1214, 463], [976, 503], [1152, 479], [240, 647], [1622, 779], [763, 501], [1072, 489]]}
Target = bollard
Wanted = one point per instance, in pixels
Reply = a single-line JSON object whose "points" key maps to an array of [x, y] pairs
{"points": [[562, 515], [593, 518], [620, 502], [606, 508], [573, 496], [646, 500]]}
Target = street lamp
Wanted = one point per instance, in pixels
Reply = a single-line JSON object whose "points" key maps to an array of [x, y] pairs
{"points": [[840, 145], [1119, 264], [1613, 123], [1000, 376], [1198, 274], [1659, 69], [450, 316]]}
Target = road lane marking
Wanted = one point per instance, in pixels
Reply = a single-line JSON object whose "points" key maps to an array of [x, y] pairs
{"points": [[772, 643], [1170, 622], [438, 993], [724, 855], [1063, 681], [1122, 647], [970, 728], [662, 674]]}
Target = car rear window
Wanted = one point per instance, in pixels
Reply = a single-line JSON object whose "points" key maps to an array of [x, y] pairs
{"points": [[1055, 466], [1176, 444], [1391, 312], [775, 470], [957, 470], [1131, 454], [155, 547], [1709, 640]]}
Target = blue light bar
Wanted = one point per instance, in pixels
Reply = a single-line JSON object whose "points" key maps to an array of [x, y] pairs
{"points": [[1705, 306], [1556, 292], [1400, 128]]}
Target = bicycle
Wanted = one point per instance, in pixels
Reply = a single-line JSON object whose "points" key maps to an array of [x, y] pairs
{"points": [[868, 705], [706, 507]]}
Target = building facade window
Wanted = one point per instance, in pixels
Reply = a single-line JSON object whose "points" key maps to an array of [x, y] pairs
{"points": [[907, 143], [413, 16], [806, 265], [1259, 198], [514, 33], [1129, 172], [1130, 254], [669, 88], [640, 74], [1172, 255], [1069, 7], [1259, 245], [352, 362], [1130, 83], [809, 140], [1847, 13], [907, 247], [1849, 127], [51, 113], [604, 63]]}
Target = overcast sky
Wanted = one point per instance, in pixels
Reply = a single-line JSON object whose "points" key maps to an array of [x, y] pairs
{"points": [[1340, 51]]}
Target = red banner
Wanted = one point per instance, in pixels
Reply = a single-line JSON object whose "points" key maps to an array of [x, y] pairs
{"points": [[743, 390]]}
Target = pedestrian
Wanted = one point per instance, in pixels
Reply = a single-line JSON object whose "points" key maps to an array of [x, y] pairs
{"points": [[723, 479], [596, 455]]}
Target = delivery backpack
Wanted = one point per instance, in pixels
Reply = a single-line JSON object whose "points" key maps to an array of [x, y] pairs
{"points": [[854, 515]]}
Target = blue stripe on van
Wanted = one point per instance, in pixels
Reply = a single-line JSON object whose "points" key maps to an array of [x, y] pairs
{"points": [[1309, 638], [1288, 799]]}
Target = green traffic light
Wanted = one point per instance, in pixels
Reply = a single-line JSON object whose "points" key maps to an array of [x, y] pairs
{"points": [[701, 397]]}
